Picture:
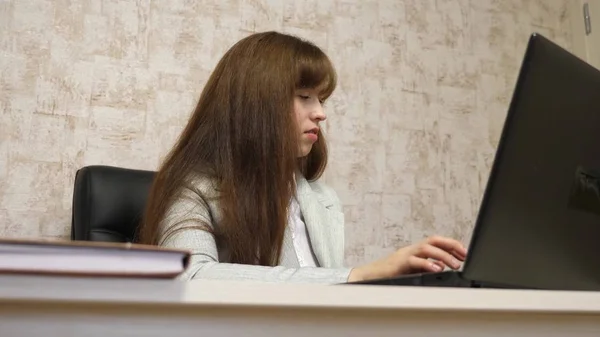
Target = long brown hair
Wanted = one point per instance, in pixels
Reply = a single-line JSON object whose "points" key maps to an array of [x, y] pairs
{"points": [[243, 136]]}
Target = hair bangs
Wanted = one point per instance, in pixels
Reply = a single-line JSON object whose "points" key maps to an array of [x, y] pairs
{"points": [[315, 71]]}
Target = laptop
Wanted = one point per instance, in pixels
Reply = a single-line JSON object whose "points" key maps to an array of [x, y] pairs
{"points": [[538, 225]]}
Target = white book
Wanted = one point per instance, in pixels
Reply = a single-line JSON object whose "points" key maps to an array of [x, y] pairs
{"points": [[83, 258]]}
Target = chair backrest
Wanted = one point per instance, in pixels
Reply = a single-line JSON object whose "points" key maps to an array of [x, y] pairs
{"points": [[108, 203]]}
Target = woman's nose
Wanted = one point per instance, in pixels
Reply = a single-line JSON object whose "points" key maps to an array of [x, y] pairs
{"points": [[319, 114]]}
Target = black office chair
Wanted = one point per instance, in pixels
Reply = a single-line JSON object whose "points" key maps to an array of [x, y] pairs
{"points": [[108, 203]]}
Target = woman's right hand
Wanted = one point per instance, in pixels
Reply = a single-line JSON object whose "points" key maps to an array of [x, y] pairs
{"points": [[433, 254]]}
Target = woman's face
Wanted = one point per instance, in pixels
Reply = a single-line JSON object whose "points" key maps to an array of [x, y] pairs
{"points": [[308, 109]]}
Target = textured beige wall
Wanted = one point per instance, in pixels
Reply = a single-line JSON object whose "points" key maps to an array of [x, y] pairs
{"points": [[424, 87]]}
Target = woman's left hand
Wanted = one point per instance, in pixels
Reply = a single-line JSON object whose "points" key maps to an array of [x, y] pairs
{"points": [[433, 254]]}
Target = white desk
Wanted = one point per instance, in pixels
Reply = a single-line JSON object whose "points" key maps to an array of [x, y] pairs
{"points": [[47, 307]]}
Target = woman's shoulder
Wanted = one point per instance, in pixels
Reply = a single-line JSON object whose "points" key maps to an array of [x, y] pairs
{"points": [[325, 191], [319, 186], [199, 185], [195, 200], [196, 190]]}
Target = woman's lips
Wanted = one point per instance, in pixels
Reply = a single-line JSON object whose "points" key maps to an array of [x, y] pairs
{"points": [[312, 134]]}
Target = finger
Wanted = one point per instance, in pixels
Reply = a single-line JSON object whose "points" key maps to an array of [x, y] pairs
{"points": [[432, 252], [459, 255], [425, 265], [439, 263], [450, 245]]}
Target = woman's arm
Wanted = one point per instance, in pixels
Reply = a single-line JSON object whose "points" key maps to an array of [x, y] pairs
{"points": [[185, 221], [188, 222], [204, 264]]}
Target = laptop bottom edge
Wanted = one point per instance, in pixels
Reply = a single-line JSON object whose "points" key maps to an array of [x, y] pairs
{"points": [[451, 279]]}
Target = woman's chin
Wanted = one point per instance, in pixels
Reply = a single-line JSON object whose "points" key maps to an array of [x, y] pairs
{"points": [[304, 151]]}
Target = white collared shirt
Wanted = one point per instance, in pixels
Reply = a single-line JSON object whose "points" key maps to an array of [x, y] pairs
{"points": [[300, 236]]}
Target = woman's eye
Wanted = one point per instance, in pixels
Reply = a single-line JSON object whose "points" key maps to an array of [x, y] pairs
{"points": [[304, 97]]}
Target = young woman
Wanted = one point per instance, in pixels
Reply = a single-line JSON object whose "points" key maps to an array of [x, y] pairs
{"points": [[241, 188]]}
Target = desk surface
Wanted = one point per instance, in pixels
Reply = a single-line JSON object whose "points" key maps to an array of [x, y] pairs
{"points": [[220, 293], [67, 306]]}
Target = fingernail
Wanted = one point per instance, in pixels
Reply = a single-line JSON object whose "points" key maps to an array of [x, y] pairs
{"points": [[455, 263], [436, 267]]}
